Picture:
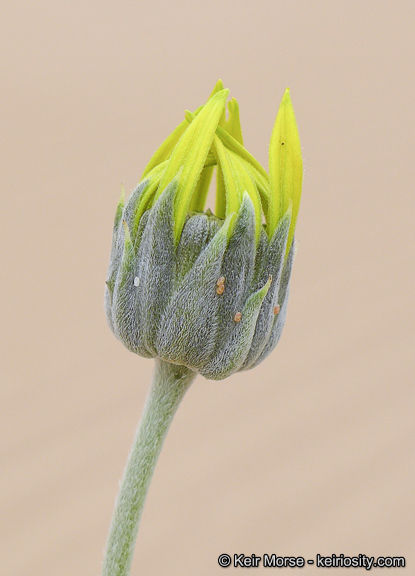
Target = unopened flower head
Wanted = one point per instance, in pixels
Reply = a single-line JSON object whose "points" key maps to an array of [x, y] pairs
{"points": [[208, 290]]}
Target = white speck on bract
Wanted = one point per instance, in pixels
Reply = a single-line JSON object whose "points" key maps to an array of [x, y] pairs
{"points": [[136, 281]]}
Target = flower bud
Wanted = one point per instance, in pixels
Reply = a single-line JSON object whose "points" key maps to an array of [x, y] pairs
{"points": [[203, 290]]}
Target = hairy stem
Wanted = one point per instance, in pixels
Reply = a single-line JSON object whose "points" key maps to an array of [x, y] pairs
{"points": [[170, 383]]}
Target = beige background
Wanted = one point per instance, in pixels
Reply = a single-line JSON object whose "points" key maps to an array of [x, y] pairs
{"points": [[312, 452]]}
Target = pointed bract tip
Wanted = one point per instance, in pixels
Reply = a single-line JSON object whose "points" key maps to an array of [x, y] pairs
{"points": [[189, 116], [218, 87], [224, 93], [266, 286], [233, 106], [286, 99], [126, 232], [120, 208]]}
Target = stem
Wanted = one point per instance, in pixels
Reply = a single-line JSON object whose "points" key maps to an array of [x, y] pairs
{"points": [[170, 383]]}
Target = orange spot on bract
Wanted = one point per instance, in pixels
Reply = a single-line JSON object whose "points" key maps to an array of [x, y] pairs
{"points": [[220, 289], [277, 308], [238, 317], [221, 281]]}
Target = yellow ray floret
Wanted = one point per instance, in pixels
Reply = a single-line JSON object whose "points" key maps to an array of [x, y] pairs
{"points": [[285, 168]]}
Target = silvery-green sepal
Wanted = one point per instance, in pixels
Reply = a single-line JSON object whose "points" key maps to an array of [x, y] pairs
{"points": [[272, 263], [198, 231], [155, 270], [123, 213], [230, 357], [123, 311], [144, 281], [237, 270], [188, 329], [279, 320]]}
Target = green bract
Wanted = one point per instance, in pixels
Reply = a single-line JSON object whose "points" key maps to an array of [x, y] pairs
{"points": [[203, 290]]}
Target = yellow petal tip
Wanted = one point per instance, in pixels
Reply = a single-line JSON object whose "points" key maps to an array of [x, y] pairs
{"points": [[285, 167], [218, 87]]}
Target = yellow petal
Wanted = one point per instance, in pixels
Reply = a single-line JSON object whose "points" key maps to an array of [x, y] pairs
{"points": [[257, 172], [197, 204], [233, 124], [190, 154], [165, 149], [237, 180], [285, 168]]}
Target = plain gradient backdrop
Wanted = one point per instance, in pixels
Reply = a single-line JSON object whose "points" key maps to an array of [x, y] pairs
{"points": [[311, 452]]}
